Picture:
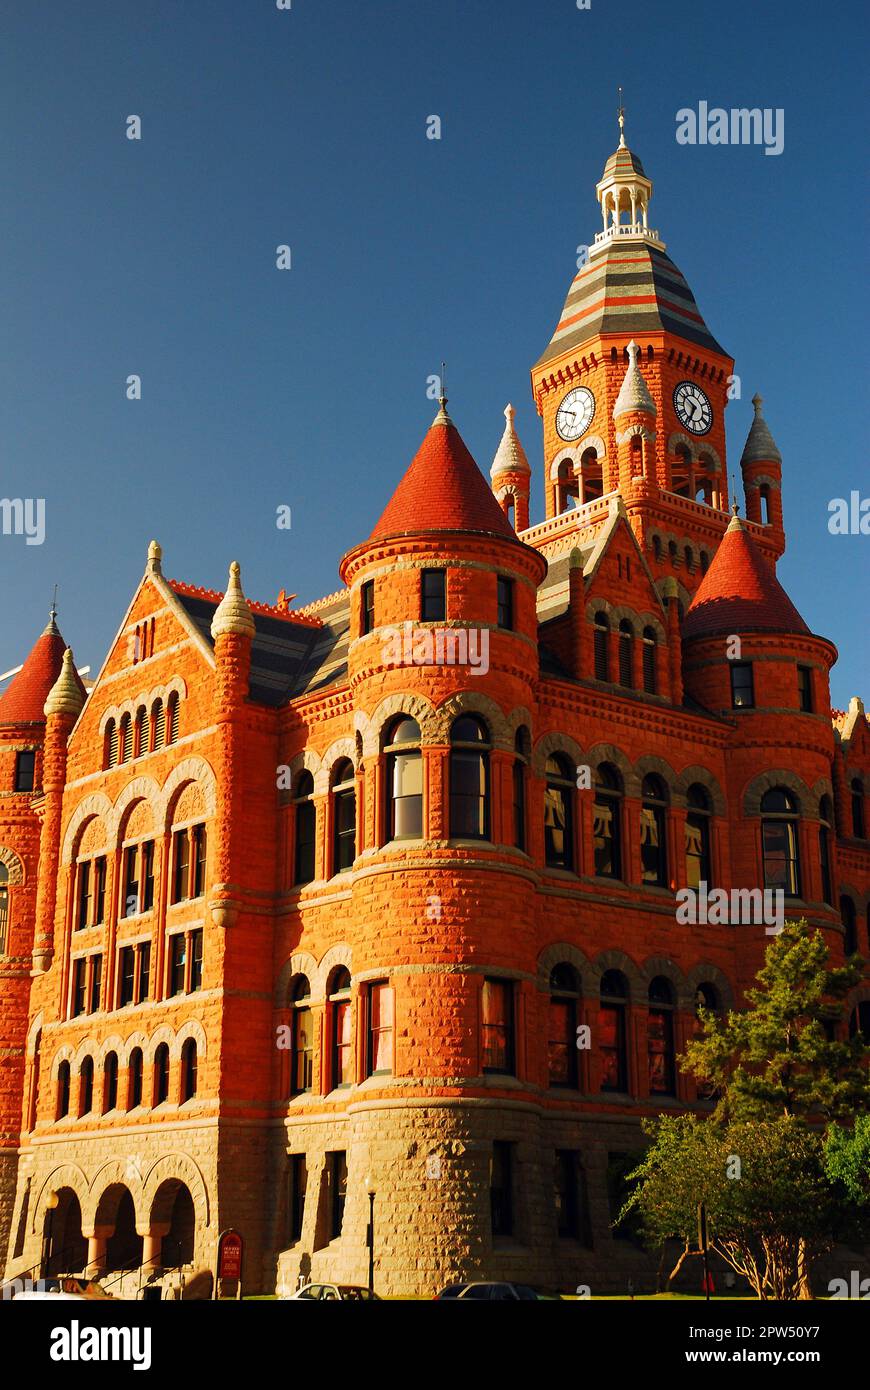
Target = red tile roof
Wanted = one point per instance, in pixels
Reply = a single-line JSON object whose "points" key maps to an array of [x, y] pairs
{"points": [[443, 490], [740, 592], [23, 699]]}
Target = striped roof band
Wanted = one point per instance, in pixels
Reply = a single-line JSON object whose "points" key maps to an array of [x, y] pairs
{"points": [[629, 290]]}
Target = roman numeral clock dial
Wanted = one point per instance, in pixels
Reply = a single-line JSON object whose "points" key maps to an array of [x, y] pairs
{"points": [[694, 411], [575, 413]]}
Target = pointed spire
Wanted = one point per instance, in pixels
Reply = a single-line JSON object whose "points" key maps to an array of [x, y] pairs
{"points": [[155, 556], [740, 592], [66, 695], [760, 446], [634, 392], [620, 116], [233, 613], [510, 456]]}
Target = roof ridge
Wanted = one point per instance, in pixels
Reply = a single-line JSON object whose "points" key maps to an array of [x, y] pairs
{"points": [[267, 610]]}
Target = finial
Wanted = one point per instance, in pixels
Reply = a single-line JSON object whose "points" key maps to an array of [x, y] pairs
{"points": [[735, 505], [65, 696], [620, 116], [50, 628], [232, 613], [757, 402], [442, 399], [634, 392], [155, 555], [510, 456]]}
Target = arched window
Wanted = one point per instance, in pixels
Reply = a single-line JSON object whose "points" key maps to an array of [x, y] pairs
{"points": [[779, 838], [689, 557], [306, 824], [161, 1074], [653, 832], [189, 1069], [705, 562], [859, 1021], [660, 1038], [110, 756], [613, 1031], [158, 720], [850, 929], [657, 547], [858, 808], [4, 908], [404, 808], [63, 1090], [110, 1082], [607, 822], [86, 1086], [602, 647], [142, 731], [562, 1039], [825, 849], [673, 554], [697, 837], [172, 718], [764, 497], [626, 649], [343, 816], [649, 661], [342, 1071], [559, 813], [303, 1038], [469, 779], [135, 1074], [521, 750], [125, 738]]}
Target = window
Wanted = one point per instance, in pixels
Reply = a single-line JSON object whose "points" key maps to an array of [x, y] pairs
{"points": [[433, 596], [200, 855], [80, 985], [705, 562], [25, 770], [469, 779], [626, 650], [505, 589], [805, 689], [521, 743], [298, 1186], [134, 974], [303, 1039], [4, 908], [306, 825], [158, 719], [180, 866], [497, 1026], [177, 962], [565, 1194], [110, 751], [606, 823], [501, 1189], [195, 961], [125, 735], [367, 607], [650, 680], [99, 890], [85, 900], [857, 808], [742, 690], [653, 832], [657, 547], [131, 881], [337, 1169], [825, 849], [343, 817], [612, 1032], [660, 1038], [63, 1090], [341, 1026], [86, 1086], [96, 980], [602, 647], [189, 1070], [850, 930], [110, 1083], [161, 1074], [764, 500], [147, 897], [143, 731], [172, 718], [697, 837], [404, 781], [135, 1073], [562, 1039], [379, 1040], [559, 813], [779, 827]]}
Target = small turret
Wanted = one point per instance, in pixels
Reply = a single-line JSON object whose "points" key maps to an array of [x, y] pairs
{"points": [[761, 466], [511, 474], [634, 413]]}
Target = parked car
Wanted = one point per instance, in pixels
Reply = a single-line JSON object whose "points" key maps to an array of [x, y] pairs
{"points": [[490, 1292], [344, 1293]]}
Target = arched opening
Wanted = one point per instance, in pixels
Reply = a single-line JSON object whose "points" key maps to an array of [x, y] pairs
{"points": [[607, 822], [764, 500], [189, 1070], [522, 746], [602, 647], [591, 476], [469, 778], [613, 1031], [404, 801], [341, 1029], [779, 836], [562, 1033], [650, 679], [825, 823], [343, 816], [559, 813], [303, 1037], [697, 837], [306, 821], [173, 1206], [660, 1038], [626, 654], [567, 489], [653, 836], [124, 1246], [65, 1246]]}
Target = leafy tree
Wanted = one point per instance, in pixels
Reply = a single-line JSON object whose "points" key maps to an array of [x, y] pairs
{"points": [[847, 1160]]}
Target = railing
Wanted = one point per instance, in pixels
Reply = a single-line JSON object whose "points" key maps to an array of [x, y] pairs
{"points": [[572, 520], [627, 229]]}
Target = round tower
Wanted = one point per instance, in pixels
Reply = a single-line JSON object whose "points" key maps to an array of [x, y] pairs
{"points": [[511, 475], [761, 467]]}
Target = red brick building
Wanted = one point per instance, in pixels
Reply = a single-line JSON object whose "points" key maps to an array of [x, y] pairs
{"points": [[381, 893]]}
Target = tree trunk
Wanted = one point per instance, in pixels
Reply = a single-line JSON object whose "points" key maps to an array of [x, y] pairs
{"points": [[804, 1285]]}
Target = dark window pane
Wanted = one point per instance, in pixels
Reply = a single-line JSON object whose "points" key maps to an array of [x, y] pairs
{"points": [[433, 590]]}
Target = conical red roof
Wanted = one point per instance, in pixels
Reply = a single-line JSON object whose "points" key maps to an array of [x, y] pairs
{"points": [[740, 592], [23, 699], [443, 490]]}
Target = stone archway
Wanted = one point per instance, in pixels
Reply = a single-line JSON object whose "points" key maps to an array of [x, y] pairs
{"points": [[173, 1215], [65, 1245], [116, 1217]]}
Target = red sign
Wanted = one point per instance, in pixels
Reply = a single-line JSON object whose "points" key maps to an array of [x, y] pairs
{"points": [[230, 1248]]}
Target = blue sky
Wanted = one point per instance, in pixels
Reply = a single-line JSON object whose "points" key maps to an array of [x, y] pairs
{"points": [[307, 388]]}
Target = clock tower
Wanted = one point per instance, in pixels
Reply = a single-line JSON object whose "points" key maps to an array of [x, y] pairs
{"points": [[631, 332]]}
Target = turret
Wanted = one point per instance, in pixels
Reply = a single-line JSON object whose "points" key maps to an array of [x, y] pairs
{"points": [[511, 474], [634, 415], [233, 632], [761, 467]]}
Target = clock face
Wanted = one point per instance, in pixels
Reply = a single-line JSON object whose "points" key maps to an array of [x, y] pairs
{"points": [[574, 415], [693, 407]]}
